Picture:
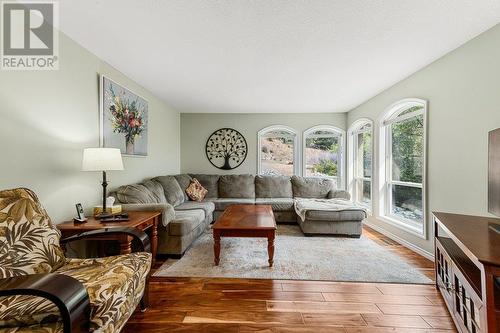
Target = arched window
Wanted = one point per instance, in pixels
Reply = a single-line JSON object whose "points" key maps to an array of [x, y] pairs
{"points": [[324, 153], [402, 165], [360, 182], [277, 151]]}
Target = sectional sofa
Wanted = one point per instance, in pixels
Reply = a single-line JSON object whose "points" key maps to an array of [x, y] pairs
{"points": [[184, 220]]}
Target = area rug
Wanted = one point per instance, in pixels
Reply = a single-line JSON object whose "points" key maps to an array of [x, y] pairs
{"points": [[296, 257]]}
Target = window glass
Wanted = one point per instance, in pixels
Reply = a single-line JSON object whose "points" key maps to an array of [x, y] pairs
{"points": [[407, 202], [322, 154], [277, 153], [407, 149]]}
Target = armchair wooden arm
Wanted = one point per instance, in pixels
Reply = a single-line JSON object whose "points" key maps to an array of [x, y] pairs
{"points": [[67, 293], [137, 234]]}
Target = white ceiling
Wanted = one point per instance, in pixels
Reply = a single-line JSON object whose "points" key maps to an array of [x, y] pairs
{"points": [[272, 55]]}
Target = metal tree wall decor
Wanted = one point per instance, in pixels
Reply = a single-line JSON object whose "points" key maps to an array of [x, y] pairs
{"points": [[226, 148]]}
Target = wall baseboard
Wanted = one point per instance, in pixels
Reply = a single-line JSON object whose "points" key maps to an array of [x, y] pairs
{"points": [[401, 241]]}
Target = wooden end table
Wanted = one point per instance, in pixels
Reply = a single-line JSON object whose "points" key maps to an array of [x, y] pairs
{"points": [[245, 221], [145, 221]]}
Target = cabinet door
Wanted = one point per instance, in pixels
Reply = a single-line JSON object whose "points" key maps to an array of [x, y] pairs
{"points": [[444, 275], [468, 305]]}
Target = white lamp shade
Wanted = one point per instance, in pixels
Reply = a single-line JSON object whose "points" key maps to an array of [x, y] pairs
{"points": [[102, 159]]}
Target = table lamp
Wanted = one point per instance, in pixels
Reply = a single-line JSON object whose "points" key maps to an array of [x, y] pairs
{"points": [[102, 159]]}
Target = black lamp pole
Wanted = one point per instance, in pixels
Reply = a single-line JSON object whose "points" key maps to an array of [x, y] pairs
{"points": [[104, 213]]}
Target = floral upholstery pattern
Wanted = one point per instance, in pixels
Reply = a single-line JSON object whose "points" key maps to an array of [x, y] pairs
{"points": [[29, 242], [115, 285]]}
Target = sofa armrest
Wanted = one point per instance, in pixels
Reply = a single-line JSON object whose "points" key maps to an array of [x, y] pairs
{"points": [[67, 293], [140, 235], [339, 194], [167, 210]]}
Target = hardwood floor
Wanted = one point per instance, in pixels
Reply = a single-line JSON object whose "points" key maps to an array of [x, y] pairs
{"points": [[279, 306]]}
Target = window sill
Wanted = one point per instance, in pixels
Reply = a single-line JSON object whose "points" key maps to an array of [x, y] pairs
{"points": [[419, 232]]}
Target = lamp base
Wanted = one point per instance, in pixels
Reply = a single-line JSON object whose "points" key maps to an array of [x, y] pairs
{"points": [[103, 215]]}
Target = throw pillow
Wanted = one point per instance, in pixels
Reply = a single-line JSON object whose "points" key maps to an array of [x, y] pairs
{"points": [[195, 191]]}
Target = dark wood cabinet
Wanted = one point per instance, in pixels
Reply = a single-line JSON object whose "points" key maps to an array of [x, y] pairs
{"points": [[467, 261]]}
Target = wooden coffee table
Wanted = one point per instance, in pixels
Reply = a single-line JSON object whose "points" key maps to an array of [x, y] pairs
{"points": [[245, 221]]}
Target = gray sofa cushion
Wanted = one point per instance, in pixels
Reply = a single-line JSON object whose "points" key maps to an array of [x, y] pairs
{"points": [[237, 186], [223, 203], [339, 194], [273, 187], [184, 180], [311, 187], [278, 204], [135, 194], [156, 190], [172, 190], [338, 216], [210, 182], [186, 221], [207, 206]]}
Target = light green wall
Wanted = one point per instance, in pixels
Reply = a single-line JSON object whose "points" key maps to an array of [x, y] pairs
{"points": [[48, 117], [197, 127], [463, 91]]}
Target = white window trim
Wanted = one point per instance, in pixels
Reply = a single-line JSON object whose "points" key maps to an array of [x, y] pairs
{"points": [[339, 131], [388, 117], [351, 179], [296, 148]]}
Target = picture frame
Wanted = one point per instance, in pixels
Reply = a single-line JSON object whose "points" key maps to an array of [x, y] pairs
{"points": [[123, 118]]}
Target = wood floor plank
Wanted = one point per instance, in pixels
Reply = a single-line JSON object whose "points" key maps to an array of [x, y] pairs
{"points": [[407, 289], [333, 319], [440, 322], [321, 307], [395, 321], [374, 298], [285, 318], [207, 303], [157, 316], [181, 328], [416, 310], [371, 329], [262, 285], [332, 288], [290, 329], [274, 295]]}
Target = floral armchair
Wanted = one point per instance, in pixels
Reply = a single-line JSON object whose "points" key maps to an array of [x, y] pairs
{"points": [[43, 291]]}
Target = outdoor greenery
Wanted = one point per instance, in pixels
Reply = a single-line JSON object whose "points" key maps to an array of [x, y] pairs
{"points": [[326, 167]]}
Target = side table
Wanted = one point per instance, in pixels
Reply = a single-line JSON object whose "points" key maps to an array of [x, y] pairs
{"points": [[145, 221]]}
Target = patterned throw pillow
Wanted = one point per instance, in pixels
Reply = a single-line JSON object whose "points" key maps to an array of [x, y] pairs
{"points": [[195, 191]]}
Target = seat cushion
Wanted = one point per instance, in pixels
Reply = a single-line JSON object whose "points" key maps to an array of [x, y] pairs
{"points": [[237, 186], [115, 286], [223, 203], [23, 310], [186, 221], [210, 182], [207, 206], [331, 216], [278, 204], [273, 187], [311, 187]]}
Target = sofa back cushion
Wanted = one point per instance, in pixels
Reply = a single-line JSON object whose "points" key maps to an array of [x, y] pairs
{"points": [[156, 190], [237, 186], [311, 187], [210, 182], [135, 194], [273, 187], [29, 242], [173, 192], [184, 181]]}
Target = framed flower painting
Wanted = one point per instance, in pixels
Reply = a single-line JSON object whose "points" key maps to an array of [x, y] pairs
{"points": [[123, 119]]}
